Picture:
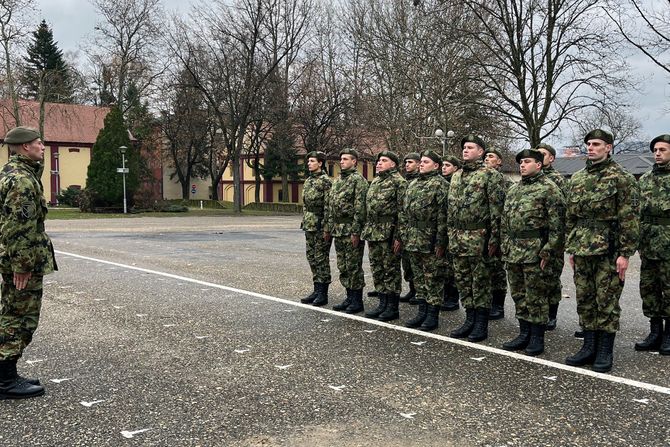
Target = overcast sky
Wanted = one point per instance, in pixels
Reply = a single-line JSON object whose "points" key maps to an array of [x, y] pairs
{"points": [[73, 20]]}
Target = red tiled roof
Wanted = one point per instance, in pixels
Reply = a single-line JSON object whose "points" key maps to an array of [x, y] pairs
{"points": [[63, 123]]}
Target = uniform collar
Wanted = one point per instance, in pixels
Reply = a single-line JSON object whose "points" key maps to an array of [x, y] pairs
{"points": [[347, 172], [430, 174], [529, 180], [590, 167], [34, 166], [661, 169], [473, 165]]}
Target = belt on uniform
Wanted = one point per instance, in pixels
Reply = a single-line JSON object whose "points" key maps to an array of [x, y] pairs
{"points": [[528, 234], [343, 220], [381, 219], [655, 220], [471, 226], [595, 223]]}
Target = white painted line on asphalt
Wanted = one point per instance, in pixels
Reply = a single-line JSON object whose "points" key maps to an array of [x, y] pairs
{"points": [[455, 341]]}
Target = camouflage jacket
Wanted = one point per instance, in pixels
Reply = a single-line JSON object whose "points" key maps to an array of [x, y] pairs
{"points": [[423, 223], [476, 198], [556, 177], [383, 202], [316, 188], [409, 176], [533, 221], [345, 205], [655, 213], [602, 211], [24, 245]]}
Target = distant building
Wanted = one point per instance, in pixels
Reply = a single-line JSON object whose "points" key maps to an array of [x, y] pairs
{"points": [[636, 164]]}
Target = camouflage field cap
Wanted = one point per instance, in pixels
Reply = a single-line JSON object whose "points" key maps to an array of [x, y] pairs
{"points": [[472, 138], [453, 160], [530, 153], [320, 156], [349, 151], [412, 156], [388, 154], [494, 151], [664, 138], [21, 134], [433, 156], [548, 147], [599, 134]]}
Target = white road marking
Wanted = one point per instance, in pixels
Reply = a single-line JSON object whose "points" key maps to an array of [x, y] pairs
{"points": [[642, 401], [169, 325], [370, 331], [283, 366], [60, 380], [550, 377], [202, 337], [408, 415], [418, 343], [32, 362], [242, 351], [478, 359], [90, 404], [455, 341], [337, 388], [130, 434]]}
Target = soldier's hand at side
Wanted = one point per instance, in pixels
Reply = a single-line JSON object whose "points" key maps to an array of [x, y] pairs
{"points": [[543, 263], [572, 261], [439, 251], [493, 248], [397, 247], [355, 240], [621, 267], [21, 280], [326, 236]]}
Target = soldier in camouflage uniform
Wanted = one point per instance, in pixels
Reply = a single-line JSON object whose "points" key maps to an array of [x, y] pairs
{"points": [[602, 230], [344, 220], [411, 172], [555, 267], [476, 198], [383, 203], [26, 255], [423, 230], [493, 159], [532, 235], [655, 248], [316, 189], [450, 164]]}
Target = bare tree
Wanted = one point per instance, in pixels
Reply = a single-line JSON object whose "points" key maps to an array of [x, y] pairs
{"points": [[625, 128]]}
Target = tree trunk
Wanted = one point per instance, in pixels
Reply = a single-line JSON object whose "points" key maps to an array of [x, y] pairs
{"points": [[237, 184], [284, 188], [10, 86]]}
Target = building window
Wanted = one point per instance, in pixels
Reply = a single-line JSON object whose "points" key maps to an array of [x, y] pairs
{"points": [[73, 149]]}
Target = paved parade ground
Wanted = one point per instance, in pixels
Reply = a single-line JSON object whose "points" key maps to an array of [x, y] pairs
{"points": [[188, 331]]}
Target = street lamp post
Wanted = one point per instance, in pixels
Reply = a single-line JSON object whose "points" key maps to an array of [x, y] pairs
{"points": [[123, 170], [439, 134]]}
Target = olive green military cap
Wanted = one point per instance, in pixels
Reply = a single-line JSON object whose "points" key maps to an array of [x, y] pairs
{"points": [[432, 155], [529, 153], [349, 151], [492, 150], [21, 134], [453, 160], [664, 138], [599, 134], [320, 156], [472, 138], [412, 156], [548, 147], [388, 154]]}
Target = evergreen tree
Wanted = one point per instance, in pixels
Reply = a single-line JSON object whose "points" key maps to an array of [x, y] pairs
{"points": [[104, 185], [47, 76]]}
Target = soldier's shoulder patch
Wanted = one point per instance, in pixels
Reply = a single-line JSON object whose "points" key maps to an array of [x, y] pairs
{"points": [[635, 198], [28, 209]]}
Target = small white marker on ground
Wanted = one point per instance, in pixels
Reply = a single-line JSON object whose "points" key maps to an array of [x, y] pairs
{"points": [[130, 434], [283, 366], [241, 351], [201, 337], [32, 362], [337, 388], [60, 380], [418, 343], [641, 401], [478, 359], [91, 403], [408, 415]]}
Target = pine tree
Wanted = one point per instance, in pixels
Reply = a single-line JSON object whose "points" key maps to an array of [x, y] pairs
{"points": [[47, 75], [104, 185]]}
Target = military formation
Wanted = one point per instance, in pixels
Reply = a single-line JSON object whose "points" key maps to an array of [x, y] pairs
{"points": [[461, 232]]}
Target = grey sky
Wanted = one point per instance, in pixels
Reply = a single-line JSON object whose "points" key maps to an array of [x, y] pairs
{"points": [[73, 20]]}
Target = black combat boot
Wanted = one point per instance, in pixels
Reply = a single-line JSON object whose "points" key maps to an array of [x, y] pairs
{"points": [[391, 311], [432, 320], [553, 317], [321, 294], [410, 294], [344, 304], [373, 293], [450, 302], [420, 316], [311, 297], [655, 337], [497, 311], [605, 354], [521, 341], [481, 330], [587, 354], [377, 311], [536, 343], [467, 325], [665, 343], [14, 387], [356, 304]]}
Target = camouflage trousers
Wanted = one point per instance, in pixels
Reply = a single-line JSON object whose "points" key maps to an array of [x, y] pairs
{"points": [[19, 315], [498, 275], [407, 267], [473, 281], [553, 271], [598, 292], [528, 286], [428, 272], [655, 287], [350, 263], [385, 266], [318, 256]]}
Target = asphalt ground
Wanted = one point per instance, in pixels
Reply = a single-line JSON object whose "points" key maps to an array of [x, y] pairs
{"points": [[189, 332]]}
